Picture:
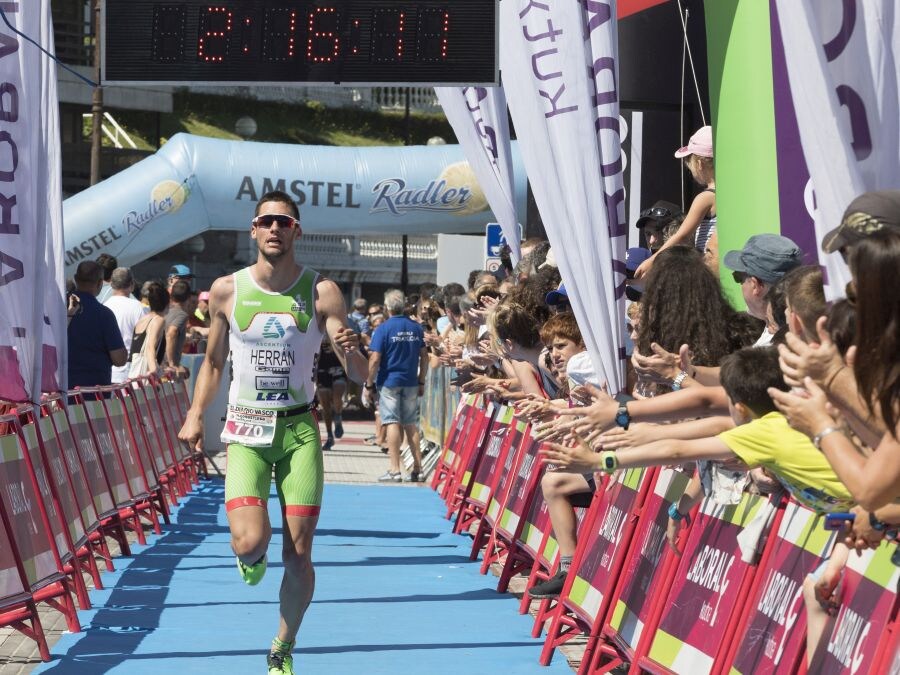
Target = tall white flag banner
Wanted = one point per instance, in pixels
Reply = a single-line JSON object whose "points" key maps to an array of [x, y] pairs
{"points": [[478, 117], [842, 63], [559, 67], [30, 209]]}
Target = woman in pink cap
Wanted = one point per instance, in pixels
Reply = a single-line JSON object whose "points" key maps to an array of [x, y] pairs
{"points": [[700, 222]]}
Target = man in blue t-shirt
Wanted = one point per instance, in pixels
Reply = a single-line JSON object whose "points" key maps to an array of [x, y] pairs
{"points": [[95, 343], [398, 363]]}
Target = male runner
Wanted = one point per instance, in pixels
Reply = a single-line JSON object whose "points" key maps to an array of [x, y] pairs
{"points": [[271, 317]]}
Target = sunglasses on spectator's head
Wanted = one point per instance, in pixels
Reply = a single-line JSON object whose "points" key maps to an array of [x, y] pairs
{"points": [[739, 277], [656, 212], [284, 221]]}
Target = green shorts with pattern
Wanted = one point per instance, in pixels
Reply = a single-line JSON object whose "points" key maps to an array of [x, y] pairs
{"points": [[295, 456]]}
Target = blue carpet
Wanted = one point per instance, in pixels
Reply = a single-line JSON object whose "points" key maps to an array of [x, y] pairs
{"points": [[395, 592]]}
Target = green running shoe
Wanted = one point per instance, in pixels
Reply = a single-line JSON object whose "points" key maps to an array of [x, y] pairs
{"points": [[280, 663], [252, 574]]}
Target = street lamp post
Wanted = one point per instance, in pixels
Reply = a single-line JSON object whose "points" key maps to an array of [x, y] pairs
{"points": [[96, 103], [404, 263]]}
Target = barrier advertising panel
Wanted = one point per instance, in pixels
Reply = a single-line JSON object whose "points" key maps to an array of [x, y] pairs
{"points": [[151, 421], [528, 475], [10, 579], [867, 601], [127, 452], [517, 437], [775, 633], [117, 479], [20, 501], [704, 593], [492, 457], [602, 542], [642, 573], [90, 456], [59, 435], [56, 471]]}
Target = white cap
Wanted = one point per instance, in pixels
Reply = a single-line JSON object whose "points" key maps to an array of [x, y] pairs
{"points": [[580, 370]]}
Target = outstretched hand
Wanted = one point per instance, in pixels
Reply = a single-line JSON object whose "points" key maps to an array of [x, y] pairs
{"points": [[820, 361], [578, 458], [807, 414]]}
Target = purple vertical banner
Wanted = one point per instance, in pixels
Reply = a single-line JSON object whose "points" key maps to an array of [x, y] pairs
{"points": [[793, 175]]}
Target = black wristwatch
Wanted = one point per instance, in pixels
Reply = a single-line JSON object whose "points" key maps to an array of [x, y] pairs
{"points": [[623, 419], [876, 524], [368, 386]]}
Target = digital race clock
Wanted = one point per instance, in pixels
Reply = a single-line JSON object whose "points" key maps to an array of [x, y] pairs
{"points": [[284, 41]]}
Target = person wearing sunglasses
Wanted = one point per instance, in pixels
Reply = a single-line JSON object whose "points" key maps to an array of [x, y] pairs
{"points": [[272, 317], [699, 225]]}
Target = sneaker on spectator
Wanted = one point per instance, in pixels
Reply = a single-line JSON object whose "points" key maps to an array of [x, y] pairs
{"points": [[550, 588], [252, 574], [329, 443], [338, 427], [415, 476], [280, 663], [388, 477]]}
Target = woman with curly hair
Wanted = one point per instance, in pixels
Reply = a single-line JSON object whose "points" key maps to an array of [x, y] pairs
{"points": [[683, 303]]}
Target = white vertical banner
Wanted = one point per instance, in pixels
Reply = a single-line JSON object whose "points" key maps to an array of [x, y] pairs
{"points": [[559, 67], [843, 62], [30, 207], [478, 118]]}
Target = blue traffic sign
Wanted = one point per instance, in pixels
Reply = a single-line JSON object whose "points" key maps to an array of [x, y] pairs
{"points": [[494, 239]]}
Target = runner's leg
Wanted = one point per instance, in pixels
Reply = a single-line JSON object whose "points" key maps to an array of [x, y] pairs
{"points": [[299, 479], [247, 483], [299, 580]]}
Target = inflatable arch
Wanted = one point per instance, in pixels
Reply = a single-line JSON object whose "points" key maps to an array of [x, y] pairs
{"points": [[195, 184]]}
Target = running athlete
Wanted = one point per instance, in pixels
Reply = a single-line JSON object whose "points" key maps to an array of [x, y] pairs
{"points": [[272, 316], [331, 383]]}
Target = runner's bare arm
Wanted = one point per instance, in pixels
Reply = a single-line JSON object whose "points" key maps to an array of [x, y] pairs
{"points": [[209, 377], [331, 308]]}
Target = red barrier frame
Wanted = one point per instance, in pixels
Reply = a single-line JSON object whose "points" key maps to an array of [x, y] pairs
{"points": [[121, 493], [484, 537], [55, 588], [742, 593], [76, 559], [141, 450], [112, 522], [53, 409], [472, 509], [444, 467], [176, 477], [469, 460], [466, 437], [19, 608], [568, 619]]}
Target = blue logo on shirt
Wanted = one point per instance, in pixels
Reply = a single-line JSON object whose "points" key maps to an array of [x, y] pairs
{"points": [[273, 328]]}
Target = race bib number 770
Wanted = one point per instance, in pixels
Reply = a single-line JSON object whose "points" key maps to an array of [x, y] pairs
{"points": [[249, 426]]}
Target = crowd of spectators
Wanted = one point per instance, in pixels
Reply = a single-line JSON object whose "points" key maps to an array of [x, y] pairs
{"points": [[116, 333], [791, 393]]}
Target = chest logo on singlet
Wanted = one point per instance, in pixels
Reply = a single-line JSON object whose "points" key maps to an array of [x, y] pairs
{"points": [[273, 328], [299, 304]]}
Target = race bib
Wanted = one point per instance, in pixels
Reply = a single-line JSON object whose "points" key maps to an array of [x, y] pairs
{"points": [[249, 426]]}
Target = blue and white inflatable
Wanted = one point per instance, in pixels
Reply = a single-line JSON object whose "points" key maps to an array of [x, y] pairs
{"points": [[195, 184]]}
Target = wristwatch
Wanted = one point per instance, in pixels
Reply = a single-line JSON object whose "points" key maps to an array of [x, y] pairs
{"points": [[817, 439], [368, 386], [623, 419], [679, 378], [608, 461], [674, 513], [877, 525]]}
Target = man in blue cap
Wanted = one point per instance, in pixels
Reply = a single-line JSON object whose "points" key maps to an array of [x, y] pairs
{"points": [[179, 273], [757, 267]]}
